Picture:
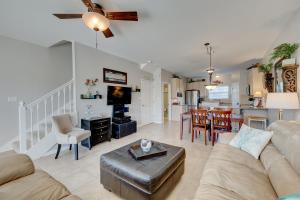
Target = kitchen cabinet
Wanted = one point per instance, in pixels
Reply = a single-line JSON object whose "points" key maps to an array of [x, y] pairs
{"points": [[177, 86]]}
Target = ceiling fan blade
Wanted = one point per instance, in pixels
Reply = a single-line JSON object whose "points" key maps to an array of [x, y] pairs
{"points": [[88, 3], [68, 16], [107, 33], [129, 16]]}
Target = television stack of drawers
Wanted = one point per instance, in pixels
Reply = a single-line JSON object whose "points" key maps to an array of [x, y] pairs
{"points": [[100, 130]]}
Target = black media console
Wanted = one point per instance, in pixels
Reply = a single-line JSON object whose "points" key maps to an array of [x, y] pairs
{"points": [[122, 125]]}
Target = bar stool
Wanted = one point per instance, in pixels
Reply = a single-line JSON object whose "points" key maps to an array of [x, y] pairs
{"points": [[263, 120]]}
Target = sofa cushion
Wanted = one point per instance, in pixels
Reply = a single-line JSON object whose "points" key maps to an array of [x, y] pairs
{"points": [[283, 177], [211, 192], [286, 139], [232, 154], [237, 172], [71, 197], [14, 166], [269, 155], [36, 186]]}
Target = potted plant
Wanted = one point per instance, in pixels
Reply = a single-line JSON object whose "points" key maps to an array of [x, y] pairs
{"points": [[267, 70], [284, 54]]}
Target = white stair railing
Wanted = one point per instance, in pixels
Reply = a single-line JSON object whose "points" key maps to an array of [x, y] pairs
{"points": [[35, 117]]}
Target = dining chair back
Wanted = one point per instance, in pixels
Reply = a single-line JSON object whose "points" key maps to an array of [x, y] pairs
{"points": [[199, 121], [221, 122]]}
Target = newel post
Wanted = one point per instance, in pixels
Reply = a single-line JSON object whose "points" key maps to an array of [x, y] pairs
{"points": [[22, 127]]}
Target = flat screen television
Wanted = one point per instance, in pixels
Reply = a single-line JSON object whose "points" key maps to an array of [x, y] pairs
{"points": [[117, 95]]}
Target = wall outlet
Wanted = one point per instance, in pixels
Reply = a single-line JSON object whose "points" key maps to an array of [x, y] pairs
{"points": [[12, 99]]}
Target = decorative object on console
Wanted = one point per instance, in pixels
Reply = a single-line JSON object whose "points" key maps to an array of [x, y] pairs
{"points": [[113, 76], [89, 112], [267, 70], [282, 101], [289, 78], [146, 145], [138, 153]]}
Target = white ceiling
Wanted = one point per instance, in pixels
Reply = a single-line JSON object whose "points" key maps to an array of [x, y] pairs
{"points": [[171, 33]]}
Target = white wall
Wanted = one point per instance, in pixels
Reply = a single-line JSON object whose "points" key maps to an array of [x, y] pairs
{"points": [[89, 65], [27, 72], [291, 34]]}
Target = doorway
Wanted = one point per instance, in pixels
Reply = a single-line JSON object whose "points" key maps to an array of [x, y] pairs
{"points": [[166, 101], [146, 94]]}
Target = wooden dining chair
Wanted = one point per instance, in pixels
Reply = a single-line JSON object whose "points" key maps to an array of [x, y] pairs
{"points": [[221, 122], [199, 122]]}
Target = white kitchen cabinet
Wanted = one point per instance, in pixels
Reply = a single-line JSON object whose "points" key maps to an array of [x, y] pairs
{"points": [[177, 86]]}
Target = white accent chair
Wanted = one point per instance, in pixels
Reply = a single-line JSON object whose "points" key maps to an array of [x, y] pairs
{"points": [[66, 133]]}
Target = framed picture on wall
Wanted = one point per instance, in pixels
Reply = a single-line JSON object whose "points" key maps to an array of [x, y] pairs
{"points": [[113, 76]]}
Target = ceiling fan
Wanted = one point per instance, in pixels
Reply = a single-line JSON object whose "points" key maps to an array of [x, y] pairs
{"points": [[98, 19]]}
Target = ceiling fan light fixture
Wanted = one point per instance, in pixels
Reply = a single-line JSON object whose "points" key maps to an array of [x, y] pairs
{"points": [[95, 21]]}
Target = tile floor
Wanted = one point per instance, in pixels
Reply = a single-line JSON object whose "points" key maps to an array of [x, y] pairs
{"points": [[82, 177]]}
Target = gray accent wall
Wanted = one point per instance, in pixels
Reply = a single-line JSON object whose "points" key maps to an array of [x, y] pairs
{"points": [[27, 72], [89, 64]]}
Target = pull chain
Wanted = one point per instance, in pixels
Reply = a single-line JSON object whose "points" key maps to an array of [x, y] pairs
{"points": [[96, 40]]}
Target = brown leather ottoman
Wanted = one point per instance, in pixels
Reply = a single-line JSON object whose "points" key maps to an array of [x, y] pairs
{"points": [[145, 179]]}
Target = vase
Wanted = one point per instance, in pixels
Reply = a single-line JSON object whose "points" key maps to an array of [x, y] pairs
{"points": [[89, 92]]}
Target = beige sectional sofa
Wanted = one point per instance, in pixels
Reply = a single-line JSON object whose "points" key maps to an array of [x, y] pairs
{"points": [[20, 180], [232, 174]]}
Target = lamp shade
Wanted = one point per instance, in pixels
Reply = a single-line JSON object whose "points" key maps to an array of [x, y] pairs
{"points": [[95, 21], [282, 101], [258, 94]]}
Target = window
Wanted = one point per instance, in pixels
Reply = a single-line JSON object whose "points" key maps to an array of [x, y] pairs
{"points": [[220, 92]]}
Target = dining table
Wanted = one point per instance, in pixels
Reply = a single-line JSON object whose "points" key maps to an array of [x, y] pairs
{"points": [[187, 116]]}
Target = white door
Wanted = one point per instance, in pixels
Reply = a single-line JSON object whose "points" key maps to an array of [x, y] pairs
{"points": [[146, 96]]}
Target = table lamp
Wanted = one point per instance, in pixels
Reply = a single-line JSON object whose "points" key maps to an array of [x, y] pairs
{"points": [[282, 101], [258, 99]]}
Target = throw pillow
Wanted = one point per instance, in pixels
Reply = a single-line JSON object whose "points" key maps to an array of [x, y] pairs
{"points": [[64, 123], [290, 197], [256, 142], [251, 140], [240, 137]]}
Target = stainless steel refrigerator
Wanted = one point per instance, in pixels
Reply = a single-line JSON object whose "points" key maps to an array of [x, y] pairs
{"points": [[192, 98]]}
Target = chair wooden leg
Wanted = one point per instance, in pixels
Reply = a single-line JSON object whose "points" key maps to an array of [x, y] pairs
{"points": [[58, 150], [213, 138], [70, 147], [76, 151], [193, 132], [205, 137]]}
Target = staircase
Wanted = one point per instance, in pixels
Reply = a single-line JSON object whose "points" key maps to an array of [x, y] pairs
{"points": [[35, 119]]}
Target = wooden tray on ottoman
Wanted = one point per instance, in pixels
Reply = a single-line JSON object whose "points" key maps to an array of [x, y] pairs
{"points": [[156, 150]]}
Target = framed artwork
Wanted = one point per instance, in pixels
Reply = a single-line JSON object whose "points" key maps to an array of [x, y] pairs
{"points": [[113, 76]]}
